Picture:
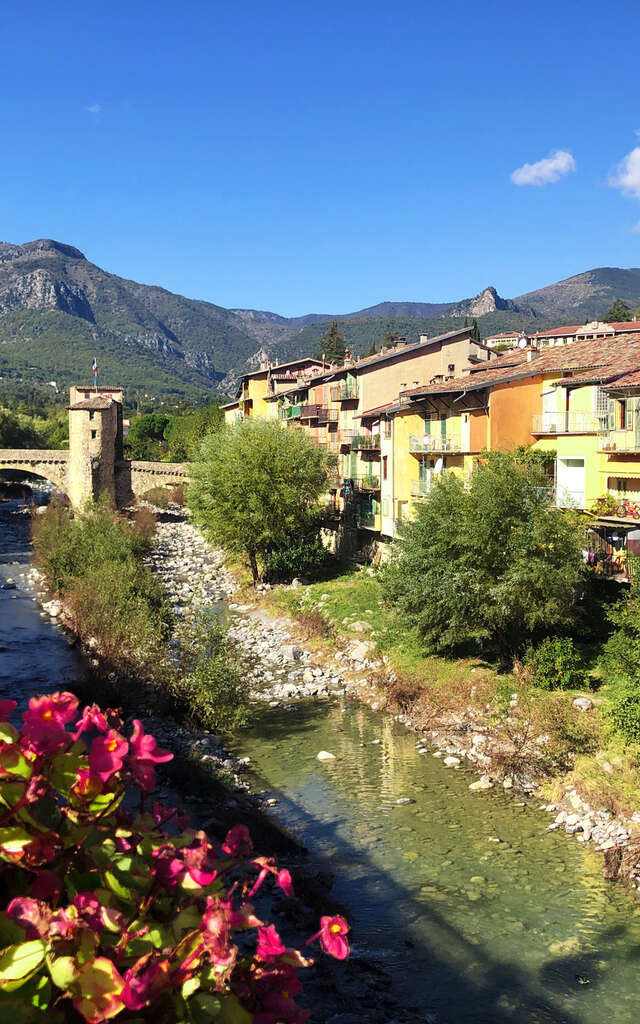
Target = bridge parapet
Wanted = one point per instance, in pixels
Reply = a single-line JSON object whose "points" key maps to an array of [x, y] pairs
{"points": [[23, 455]]}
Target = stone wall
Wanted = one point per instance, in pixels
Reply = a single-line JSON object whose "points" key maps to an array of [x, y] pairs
{"points": [[50, 464]]}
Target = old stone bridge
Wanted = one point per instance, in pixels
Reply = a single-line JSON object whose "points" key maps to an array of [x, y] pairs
{"points": [[94, 464]]}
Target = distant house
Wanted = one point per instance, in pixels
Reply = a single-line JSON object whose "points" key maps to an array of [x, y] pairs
{"points": [[512, 339]]}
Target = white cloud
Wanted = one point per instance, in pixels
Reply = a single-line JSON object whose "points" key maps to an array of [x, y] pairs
{"points": [[627, 174], [543, 172], [95, 108]]}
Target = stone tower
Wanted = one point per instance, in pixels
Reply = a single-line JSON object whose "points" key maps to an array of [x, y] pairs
{"points": [[95, 442]]}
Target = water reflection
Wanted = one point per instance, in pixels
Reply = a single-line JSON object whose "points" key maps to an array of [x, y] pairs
{"points": [[481, 913]]}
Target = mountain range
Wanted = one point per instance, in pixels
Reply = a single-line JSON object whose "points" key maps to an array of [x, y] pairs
{"points": [[58, 311]]}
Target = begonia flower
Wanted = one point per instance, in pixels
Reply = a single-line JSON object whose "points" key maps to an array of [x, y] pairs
{"points": [[143, 754], [200, 861], [332, 937], [285, 882], [91, 718], [169, 868], [216, 932], [144, 981], [32, 915], [270, 945], [89, 909], [237, 842], [44, 722], [107, 754]]}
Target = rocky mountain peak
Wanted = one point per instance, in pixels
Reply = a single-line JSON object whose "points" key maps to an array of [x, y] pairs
{"points": [[42, 246]]}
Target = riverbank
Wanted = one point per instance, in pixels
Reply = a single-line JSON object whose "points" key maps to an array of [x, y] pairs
{"points": [[212, 786]]}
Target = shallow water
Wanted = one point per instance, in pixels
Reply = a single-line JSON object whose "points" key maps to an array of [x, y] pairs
{"points": [[34, 654], [479, 912]]}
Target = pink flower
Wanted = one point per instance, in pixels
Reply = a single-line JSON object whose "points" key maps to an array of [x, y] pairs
{"points": [[169, 868], [107, 754], [64, 922], [6, 707], [91, 717], [284, 881], [143, 754], [89, 910], [43, 728], [200, 861], [144, 981], [30, 914], [216, 933], [270, 945], [237, 842], [332, 937]]}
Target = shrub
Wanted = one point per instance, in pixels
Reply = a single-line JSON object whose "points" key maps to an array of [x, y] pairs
{"points": [[211, 683], [556, 665], [158, 496], [625, 714], [302, 555], [110, 914]]}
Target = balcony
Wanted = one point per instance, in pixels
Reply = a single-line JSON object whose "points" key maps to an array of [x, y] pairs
{"points": [[344, 393], [368, 521], [620, 441], [421, 488], [332, 511], [552, 423], [313, 412], [366, 484], [290, 412], [366, 443], [434, 443], [347, 438]]}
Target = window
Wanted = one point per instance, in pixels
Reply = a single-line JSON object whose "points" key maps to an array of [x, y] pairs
{"points": [[91, 414], [385, 460], [387, 429], [94, 434]]}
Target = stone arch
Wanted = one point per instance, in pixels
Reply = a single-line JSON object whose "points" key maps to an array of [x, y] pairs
{"points": [[53, 468]]}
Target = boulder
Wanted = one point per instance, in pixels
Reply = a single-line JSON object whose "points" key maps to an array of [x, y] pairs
{"points": [[324, 755], [451, 762], [362, 650], [583, 704], [483, 783], [360, 626], [291, 652]]}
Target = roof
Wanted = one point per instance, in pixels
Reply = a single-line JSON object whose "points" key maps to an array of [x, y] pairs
{"points": [[95, 403], [612, 355], [383, 357], [505, 334], [558, 332], [627, 380]]}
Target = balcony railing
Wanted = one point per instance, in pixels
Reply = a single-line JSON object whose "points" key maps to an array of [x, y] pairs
{"points": [[312, 412], [366, 483], [347, 437], [566, 423], [434, 443], [620, 441], [421, 488], [366, 443], [344, 393], [290, 412]]}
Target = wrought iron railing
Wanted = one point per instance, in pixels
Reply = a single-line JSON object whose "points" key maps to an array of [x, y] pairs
{"points": [[566, 423], [435, 443], [365, 442], [366, 483], [344, 393], [620, 441]]}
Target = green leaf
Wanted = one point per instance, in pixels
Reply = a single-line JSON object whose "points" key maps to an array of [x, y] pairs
{"points": [[7, 733], [204, 1007], [117, 887], [14, 839], [17, 963], [12, 761], [63, 971], [233, 1012], [10, 933], [64, 769], [190, 986]]}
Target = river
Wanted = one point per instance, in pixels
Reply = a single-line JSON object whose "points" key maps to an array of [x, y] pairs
{"points": [[479, 913]]}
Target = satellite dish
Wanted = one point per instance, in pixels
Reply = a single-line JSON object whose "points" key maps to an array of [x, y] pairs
{"points": [[522, 343]]}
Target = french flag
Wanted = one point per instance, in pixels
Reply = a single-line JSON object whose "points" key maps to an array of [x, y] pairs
{"points": [[95, 372]]}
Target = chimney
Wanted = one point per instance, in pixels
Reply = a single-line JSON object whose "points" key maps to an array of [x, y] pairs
{"points": [[401, 342]]}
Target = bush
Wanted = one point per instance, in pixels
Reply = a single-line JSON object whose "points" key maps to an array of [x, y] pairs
{"points": [[491, 565], [304, 555], [211, 684], [625, 714], [556, 665], [111, 915]]}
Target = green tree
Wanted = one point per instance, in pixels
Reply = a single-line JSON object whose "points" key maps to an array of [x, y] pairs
{"points": [[332, 345], [145, 439], [490, 565], [475, 330], [256, 487], [184, 434], [619, 311]]}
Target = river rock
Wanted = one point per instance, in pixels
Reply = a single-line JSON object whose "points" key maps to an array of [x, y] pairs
{"points": [[451, 762], [291, 652], [359, 626], [362, 650], [583, 704], [324, 755], [483, 783]]}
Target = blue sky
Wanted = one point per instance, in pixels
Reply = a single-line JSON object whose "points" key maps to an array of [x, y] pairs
{"points": [[321, 157]]}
